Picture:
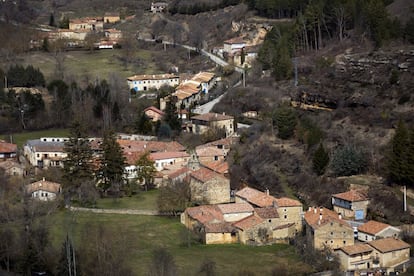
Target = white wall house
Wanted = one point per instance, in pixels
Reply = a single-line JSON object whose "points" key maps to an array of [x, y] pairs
{"points": [[43, 190], [45, 152], [234, 44], [146, 82], [165, 159]]}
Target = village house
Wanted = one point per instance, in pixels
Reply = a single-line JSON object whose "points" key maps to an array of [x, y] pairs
{"points": [[12, 168], [45, 152], [208, 187], [352, 204], [237, 222], [169, 158], [7, 150], [379, 256], [221, 167], [146, 82], [373, 230], [111, 17], [87, 23], [43, 190], [113, 34], [248, 53], [159, 7], [357, 257], [233, 45], [290, 211], [206, 80], [200, 124], [327, 229], [153, 113], [391, 254], [210, 154], [72, 36]]}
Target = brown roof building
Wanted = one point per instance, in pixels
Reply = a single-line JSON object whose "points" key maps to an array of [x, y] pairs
{"points": [[352, 204], [43, 190]]}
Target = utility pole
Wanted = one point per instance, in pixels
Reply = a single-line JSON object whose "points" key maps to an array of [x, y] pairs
{"points": [[244, 77], [405, 198]]}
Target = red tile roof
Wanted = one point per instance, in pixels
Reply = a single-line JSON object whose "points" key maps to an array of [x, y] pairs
{"points": [[177, 173], [168, 155], [203, 175], [156, 110], [267, 212], [221, 167], [7, 147], [219, 227], [209, 151], [389, 245], [205, 214], [248, 222], [352, 195], [256, 197], [152, 146], [313, 217], [373, 227], [211, 117], [44, 185], [356, 249], [287, 202], [232, 208]]}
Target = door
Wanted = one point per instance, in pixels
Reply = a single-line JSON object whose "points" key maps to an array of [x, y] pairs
{"points": [[359, 214]]}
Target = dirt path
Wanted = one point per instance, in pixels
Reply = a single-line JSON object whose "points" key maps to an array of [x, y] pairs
{"points": [[117, 211]]}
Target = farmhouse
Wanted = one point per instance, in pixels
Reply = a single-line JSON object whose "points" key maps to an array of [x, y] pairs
{"points": [[373, 230], [209, 187], [87, 23], [111, 17], [153, 113], [351, 204], [233, 45], [12, 168], [45, 152], [212, 121], [7, 150], [43, 190], [146, 82], [327, 229]]}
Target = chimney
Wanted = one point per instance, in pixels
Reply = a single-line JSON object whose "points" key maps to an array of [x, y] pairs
{"points": [[320, 209], [309, 209], [43, 179], [224, 113], [320, 217], [267, 191], [340, 216], [314, 210]]}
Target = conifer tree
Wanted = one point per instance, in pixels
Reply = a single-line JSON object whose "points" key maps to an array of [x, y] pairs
{"points": [[78, 164], [284, 119], [111, 172], [401, 156], [320, 160]]}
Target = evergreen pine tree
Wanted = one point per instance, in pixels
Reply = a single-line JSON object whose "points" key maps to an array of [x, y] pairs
{"points": [[284, 119], [320, 160], [52, 20], [171, 117], [400, 153], [78, 164], [111, 172]]}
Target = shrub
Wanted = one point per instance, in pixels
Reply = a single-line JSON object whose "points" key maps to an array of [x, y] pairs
{"points": [[349, 160]]}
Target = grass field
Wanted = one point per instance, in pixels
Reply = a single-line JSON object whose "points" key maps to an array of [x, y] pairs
{"points": [[148, 233], [142, 201], [96, 64], [21, 138]]}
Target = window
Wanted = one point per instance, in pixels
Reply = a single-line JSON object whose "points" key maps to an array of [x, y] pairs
{"points": [[270, 220], [331, 233], [344, 242], [285, 216], [215, 157]]}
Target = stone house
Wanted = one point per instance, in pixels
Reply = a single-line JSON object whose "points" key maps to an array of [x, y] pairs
{"points": [[373, 230], [357, 257], [46, 152], [352, 204], [221, 167], [13, 168], [206, 81], [7, 150], [209, 154], [209, 187], [146, 82], [43, 190], [209, 121], [391, 254], [87, 23], [327, 229], [153, 113], [111, 17], [290, 211]]}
